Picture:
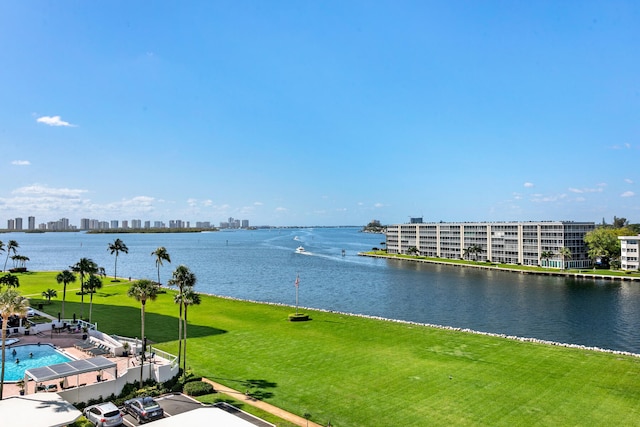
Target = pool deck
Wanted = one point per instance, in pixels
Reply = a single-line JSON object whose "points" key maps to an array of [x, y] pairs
{"points": [[64, 343]]}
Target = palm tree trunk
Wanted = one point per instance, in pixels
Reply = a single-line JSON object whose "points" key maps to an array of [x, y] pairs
{"points": [[90, 305], [81, 297], [64, 296], [5, 320], [180, 334], [142, 338], [184, 359]]}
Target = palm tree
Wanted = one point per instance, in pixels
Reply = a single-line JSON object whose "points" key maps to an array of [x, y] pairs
{"points": [[143, 290], [546, 255], [93, 284], [50, 293], [11, 302], [20, 261], [9, 280], [188, 297], [161, 255], [84, 267], [183, 278], [475, 250], [116, 247], [11, 246], [65, 277], [566, 254]]}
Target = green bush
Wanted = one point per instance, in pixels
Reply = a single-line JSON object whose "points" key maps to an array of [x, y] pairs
{"points": [[198, 388], [299, 317]]}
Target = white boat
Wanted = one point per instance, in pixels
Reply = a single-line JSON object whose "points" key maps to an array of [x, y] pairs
{"points": [[300, 250]]}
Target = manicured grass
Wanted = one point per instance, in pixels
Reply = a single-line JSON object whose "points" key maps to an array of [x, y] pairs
{"points": [[358, 371]]}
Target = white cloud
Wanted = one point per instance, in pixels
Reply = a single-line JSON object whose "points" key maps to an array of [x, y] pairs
{"points": [[21, 162], [528, 184], [53, 121], [628, 181], [539, 198], [281, 209], [135, 205], [378, 205], [628, 194], [599, 188], [42, 190]]}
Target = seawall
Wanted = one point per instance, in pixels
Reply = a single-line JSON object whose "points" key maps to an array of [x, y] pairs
{"points": [[559, 273]]}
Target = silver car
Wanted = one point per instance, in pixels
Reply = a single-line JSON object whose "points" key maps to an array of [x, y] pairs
{"points": [[103, 415]]}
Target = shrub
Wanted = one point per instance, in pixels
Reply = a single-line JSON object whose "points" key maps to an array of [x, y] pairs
{"points": [[198, 388]]}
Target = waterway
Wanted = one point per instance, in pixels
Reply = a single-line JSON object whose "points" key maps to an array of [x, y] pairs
{"points": [[262, 265]]}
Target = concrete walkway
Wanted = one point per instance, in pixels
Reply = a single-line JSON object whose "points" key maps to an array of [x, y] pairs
{"points": [[288, 416]]}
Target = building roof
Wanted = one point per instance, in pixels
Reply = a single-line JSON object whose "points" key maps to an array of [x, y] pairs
{"points": [[209, 415], [38, 410], [67, 369]]}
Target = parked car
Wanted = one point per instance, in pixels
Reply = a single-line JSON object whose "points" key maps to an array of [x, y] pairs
{"points": [[103, 415], [143, 409], [31, 312]]}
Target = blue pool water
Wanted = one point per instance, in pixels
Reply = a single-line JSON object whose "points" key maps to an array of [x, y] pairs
{"points": [[43, 355]]}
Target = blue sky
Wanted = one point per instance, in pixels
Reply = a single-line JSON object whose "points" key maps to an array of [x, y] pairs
{"points": [[320, 112]]}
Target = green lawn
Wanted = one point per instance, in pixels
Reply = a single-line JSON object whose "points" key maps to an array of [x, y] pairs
{"points": [[356, 371]]}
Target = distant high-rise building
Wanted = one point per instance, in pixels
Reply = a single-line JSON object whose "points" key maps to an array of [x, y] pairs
{"points": [[177, 223], [147, 224], [136, 223], [158, 224], [245, 223], [84, 223], [18, 224], [11, 224], [125, 223], [32, 223], [114, 224]]}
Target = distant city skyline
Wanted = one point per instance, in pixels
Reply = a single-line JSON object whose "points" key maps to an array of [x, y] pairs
{"points": [[307, 113], [64, 224]]}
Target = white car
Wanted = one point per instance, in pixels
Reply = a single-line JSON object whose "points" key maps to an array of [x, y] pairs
{"points": [[103, 415], [31, 312]]}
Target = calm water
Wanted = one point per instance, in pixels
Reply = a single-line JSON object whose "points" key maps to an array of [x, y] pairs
{"points": [[30, 356], [262, 265]]}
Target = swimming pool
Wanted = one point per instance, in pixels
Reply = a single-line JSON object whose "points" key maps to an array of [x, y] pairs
{"points": [[30, 356]]}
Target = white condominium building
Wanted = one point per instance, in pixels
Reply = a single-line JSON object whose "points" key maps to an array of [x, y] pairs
{"points": [[629, 246], [521, 243]]}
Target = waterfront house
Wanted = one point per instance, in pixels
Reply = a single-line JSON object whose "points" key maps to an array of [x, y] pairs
{"points": [[629, 246]]}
